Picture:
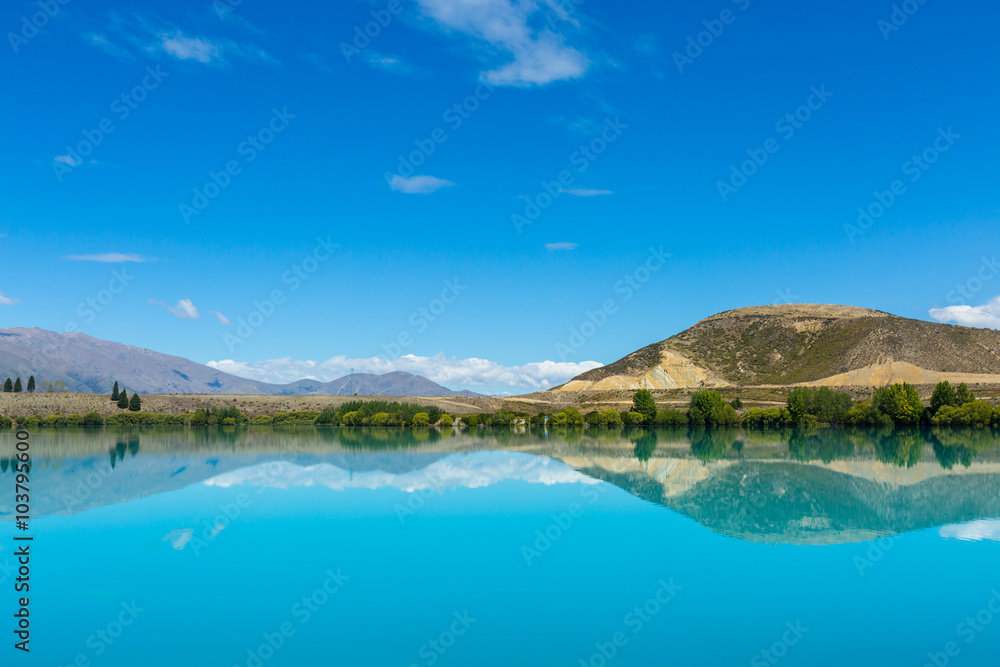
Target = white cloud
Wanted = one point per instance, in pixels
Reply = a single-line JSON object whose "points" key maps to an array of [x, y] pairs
{"points": [[222, 318], [562, 245], [986, 316], [184, 310], [474, 374], [539, 56], [125, 35], [6, 300], [584, 192], [469, 471], [189, 48], [66, 159], [178, 538], [109, 258], [974, 531], [418, 185]]}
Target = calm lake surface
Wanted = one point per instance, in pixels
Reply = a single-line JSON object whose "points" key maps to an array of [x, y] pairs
{"points": [[333, 546]]}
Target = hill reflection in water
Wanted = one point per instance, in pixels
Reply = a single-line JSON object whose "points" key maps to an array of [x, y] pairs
{"points": [[795, 486]]}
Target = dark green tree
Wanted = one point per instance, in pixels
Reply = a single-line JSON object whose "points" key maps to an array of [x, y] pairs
{"points": [[17, 386], [643, 403], [709, 409], [736, 403], [797, 406], [900, 402], [963, 395], [123, 399], [8, 386], [645, 444], [944, 394], [31, 384], [135, 404], [114, 392]]}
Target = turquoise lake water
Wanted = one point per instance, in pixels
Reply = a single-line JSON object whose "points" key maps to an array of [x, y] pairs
{"points": [[664, 547]]}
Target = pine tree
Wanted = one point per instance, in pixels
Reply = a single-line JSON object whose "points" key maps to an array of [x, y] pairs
{"points": [[114, 392], [31, 384], [17, 386], [135, 405], [8, 386], [123, 399]]}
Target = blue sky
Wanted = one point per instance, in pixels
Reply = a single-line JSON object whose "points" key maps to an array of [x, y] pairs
{"points": [[575, 163]]}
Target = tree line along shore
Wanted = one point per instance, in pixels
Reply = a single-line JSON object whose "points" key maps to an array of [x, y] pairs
{"points": [[890, 405]]}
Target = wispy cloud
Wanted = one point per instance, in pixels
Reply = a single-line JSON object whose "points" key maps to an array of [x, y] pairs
{"points": [[539, 56], [418, 185], [222, 318], [986, 316], [189, 48], [319, 61], [110, 258], [66, 159], [973, 531], [474, 374], [178, 538], [585, 192], [126, 36], [184, 310], [561, 245], [6, 300], [388, 63]]}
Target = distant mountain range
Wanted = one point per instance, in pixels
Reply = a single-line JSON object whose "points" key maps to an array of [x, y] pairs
{"points": [[810, 344], [90, 365]]}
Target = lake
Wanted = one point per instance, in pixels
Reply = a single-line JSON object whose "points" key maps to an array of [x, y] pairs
{"points": [[315, 546]]}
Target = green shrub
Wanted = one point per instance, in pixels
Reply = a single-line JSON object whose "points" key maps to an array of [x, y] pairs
{"points": [[633, 418], [446, 420], [671, 417], [226, 421], [767, 417], [328, 417], [824, 404], [6, 422], [296, 418], [93, 419], [568, 417], [420, 419], [613, 417], [708, 409], [900, 402], [471, 420], [977, 413], [595, 418], [355, 418], [262, 420]]}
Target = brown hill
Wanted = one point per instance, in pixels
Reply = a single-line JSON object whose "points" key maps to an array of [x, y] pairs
{"points": [[804, 344]]}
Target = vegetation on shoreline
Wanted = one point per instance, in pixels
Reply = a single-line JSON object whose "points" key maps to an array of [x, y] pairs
{"points": [[891, 405]]}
